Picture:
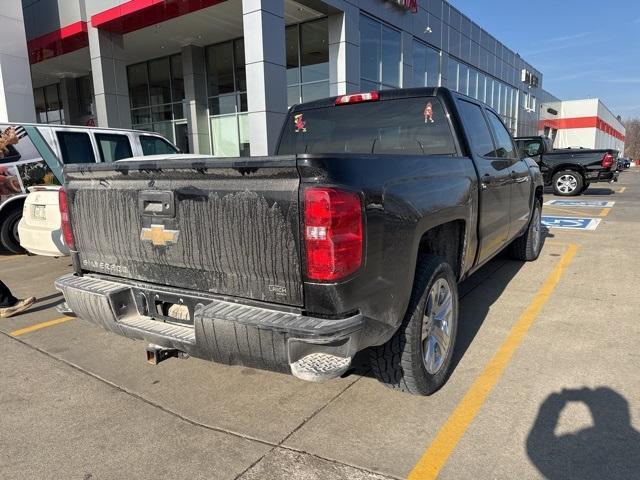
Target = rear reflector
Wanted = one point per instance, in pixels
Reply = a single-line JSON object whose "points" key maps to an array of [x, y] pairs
{"points": [[358, 98], [333, 233], [607, 160], [67, 233]]}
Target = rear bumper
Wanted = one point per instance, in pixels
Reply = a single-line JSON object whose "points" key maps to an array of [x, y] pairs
{"points": [[600, 176], [42, 239], [221, 331]]}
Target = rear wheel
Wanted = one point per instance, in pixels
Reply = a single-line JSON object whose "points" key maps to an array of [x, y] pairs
{"points": [[9, 231], [418, 358], [567, 183], [528, 246]]}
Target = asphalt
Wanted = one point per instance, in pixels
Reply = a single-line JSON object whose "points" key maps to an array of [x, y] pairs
{"points": [[79, 402]]}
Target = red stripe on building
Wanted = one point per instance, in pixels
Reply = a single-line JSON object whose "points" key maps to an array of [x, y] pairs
{"points": [[136, 14], [581, 122], [65, 40]]}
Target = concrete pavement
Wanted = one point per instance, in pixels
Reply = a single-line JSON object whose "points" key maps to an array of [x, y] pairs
{"points": [[79, 402]]}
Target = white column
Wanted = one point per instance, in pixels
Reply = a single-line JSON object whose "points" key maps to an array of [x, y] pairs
{"points": [[344, 51], [264, 44], [109, 72], [195, 89], [16, 91]]}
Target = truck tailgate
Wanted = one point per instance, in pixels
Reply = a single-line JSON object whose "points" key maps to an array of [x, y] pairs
{"points": [[228, 226]]}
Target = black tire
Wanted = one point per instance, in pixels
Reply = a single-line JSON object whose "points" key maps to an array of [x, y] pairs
{"points": [[399, 363], [9, 230], [527, 247], [574, 178], [584, 187]]}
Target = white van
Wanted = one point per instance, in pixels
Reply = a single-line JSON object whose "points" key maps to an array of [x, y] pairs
{"points": [[37, 158]]}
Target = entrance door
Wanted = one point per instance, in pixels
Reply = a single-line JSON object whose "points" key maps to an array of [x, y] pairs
{"points": [[182, 137]]}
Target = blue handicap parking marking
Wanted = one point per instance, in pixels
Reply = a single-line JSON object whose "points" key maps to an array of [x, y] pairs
{"points": [[571, 223], [581, 203]]}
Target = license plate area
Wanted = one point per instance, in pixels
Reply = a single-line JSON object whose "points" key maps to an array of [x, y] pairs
{"points": [[166, 306], [39, 212]]}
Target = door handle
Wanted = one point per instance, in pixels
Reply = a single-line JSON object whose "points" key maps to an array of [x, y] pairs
{"points": [[156, 204], [523, 179]]}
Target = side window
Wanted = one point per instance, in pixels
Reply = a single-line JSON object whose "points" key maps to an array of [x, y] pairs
{"points": [[504, 143], [113, 147], [477, 129], [76, 147], [156, 146]]}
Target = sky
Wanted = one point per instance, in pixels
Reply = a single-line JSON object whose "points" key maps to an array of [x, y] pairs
{"points": [[582, 51]]}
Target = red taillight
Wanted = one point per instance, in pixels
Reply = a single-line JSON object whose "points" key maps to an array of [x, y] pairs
{"points": [[67, 233], [333, 233], [607, 160], [358, 98]]}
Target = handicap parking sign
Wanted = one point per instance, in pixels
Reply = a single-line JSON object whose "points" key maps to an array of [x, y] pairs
{"points": [[580, 203], [571, 223]]}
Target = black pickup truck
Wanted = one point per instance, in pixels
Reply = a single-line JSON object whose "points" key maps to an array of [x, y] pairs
{"points": [[570, 171], [354, 235]]}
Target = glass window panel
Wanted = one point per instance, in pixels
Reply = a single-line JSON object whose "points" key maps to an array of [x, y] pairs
{"points": [[243, 105], [463, 79], [238, 58], [75, 147], [477, 129], [165, 129], [155, 146], [243, 126], [177, 79], [367, 86], [473, 83], [178, 111], [315, 91], [314, 50], [220, 69], [161, 113], [452, 80], [504, 143], [85, 95], [138, 85], [41, 105], [222, 105], [293, 95], [113, 147], [160, 81], [293, 70], [225, 136], [52, 97], [369, 49], [433, 68], [391, 55], [140, 116], [420, 74]]}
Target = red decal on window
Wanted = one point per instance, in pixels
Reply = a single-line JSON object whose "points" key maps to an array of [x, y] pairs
{"points": [[428, 113], [299, 123]]}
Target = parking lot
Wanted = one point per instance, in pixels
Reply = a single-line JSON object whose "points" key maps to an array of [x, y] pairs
{"points": [[545, 384]]}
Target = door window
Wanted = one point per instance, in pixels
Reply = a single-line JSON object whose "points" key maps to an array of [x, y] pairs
{"points": [[477, 129], [113, 147], [76, 147], [152, 145], [504, 143]]}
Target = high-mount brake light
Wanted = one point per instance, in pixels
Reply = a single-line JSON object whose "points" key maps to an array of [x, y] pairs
{"points": [[358, 98]]}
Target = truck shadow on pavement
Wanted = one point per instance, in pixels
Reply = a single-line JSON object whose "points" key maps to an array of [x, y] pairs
{"points": [[608, 449]]}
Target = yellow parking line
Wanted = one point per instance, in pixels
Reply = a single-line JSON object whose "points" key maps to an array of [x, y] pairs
{"points": [[436, 456], [40, 326], [622, 190], [604, 212]]}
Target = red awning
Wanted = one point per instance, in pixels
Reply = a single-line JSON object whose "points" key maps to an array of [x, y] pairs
{"points": [[65, 40]]}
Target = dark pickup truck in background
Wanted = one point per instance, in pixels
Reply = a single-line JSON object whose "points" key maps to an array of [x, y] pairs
{"points": [[570, 171], [354, 236]]}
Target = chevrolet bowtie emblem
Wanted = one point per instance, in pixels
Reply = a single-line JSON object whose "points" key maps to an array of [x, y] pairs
{"points": [[160, 237]]}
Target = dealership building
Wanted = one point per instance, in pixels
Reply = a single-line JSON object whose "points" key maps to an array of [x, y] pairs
{"points": [[217, 76]]}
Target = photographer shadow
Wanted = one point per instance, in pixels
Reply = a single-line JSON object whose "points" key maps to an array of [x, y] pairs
{"points": [[609, 449]]}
